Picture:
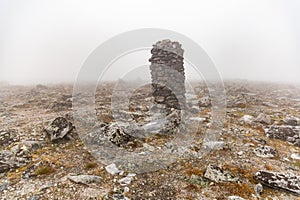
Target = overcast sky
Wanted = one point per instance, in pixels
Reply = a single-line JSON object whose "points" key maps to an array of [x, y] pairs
{"points": [[48, 41]]}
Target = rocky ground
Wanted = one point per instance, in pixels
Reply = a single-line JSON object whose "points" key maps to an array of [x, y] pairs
{"points": [[257, 155]]}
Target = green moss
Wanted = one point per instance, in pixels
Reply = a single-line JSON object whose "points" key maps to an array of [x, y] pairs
{"points": [[42, 170], [90, 165]]}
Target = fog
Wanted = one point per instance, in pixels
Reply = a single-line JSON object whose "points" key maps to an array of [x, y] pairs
{"points": [[48, 41]]}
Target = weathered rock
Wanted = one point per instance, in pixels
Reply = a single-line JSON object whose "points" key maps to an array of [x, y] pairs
{"points": [[4, 137], [247, 119], [291, 121], [204, 102], [126, 180], [112, 169], [282, 181], [286, 133], [265, 151], [85, 179], [258, 188], [264, 119], [25, 147], [235, 198], [119, 135], [4, 185], [218, 175], [295, 156], [59, 128]]}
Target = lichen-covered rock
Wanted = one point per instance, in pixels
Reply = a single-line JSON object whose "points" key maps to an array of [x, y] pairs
{"points": [[218, 175], [59, 128], [290, 134], [265, 151], [291, 121], [282, 181]]}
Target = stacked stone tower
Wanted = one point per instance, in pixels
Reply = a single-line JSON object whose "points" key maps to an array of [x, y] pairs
{"points": [[167, 71]]}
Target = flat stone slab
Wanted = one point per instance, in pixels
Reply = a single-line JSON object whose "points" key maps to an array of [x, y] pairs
{"points": [[290, 134], [265, 151], [218, 175], [281, 181]]}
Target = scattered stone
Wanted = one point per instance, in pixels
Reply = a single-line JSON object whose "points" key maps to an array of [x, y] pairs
{"points": [[235, 198], [4, 185], [265, 151], [25, 147], [291, 121], [264, 119], [126, 180], [35, 197], [214, 145], [4, 137], [112, 169], [290, 134], [58, 129], [295, 156], [247, 119], [258, 188], [218, 175], [119, 135], [85, 179], [204, 102], [276, 180]]}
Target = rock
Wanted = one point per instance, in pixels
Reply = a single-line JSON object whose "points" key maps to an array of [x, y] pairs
{"points": [[265, 151], [4, 185], [276, 180], [235, 198], [258, 188], [25, 147], [119, 135], [126, 180], [35, 197], [295, 156], [264, 119], [218, 175], [4, 137], [204, 102], [291, 121], [112, 169], [85, 179], [59, 128], [214, 145], [286, 133], [247, 119]]}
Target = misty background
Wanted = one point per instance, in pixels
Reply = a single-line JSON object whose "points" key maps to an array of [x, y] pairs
{"points": [[48, 41]]}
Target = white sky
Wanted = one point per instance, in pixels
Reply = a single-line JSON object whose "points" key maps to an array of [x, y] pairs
{"points": [[48, 41]]}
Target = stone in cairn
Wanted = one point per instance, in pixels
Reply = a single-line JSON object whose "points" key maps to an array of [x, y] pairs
{"points": [[168, 78], [167, 71]]}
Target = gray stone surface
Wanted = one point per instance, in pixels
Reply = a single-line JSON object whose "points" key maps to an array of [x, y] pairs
{"points": [[290, 134], [282, 181], [218, 175], [85, 179], [265, 151], [59, 128]]}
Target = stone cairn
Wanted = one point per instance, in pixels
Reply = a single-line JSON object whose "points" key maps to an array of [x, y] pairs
{"points": [[168, 78]]}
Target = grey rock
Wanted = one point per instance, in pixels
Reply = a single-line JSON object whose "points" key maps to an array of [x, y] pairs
{"points": [[3, 186], [204, 102], [112, 169], [235, 198], [218, 175], [286, 133], [4, 137], [282, 181], [85, 179], [35, 197], [265, 151], [264, 119], [59, 128], [291, 121], [258, 188]]}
